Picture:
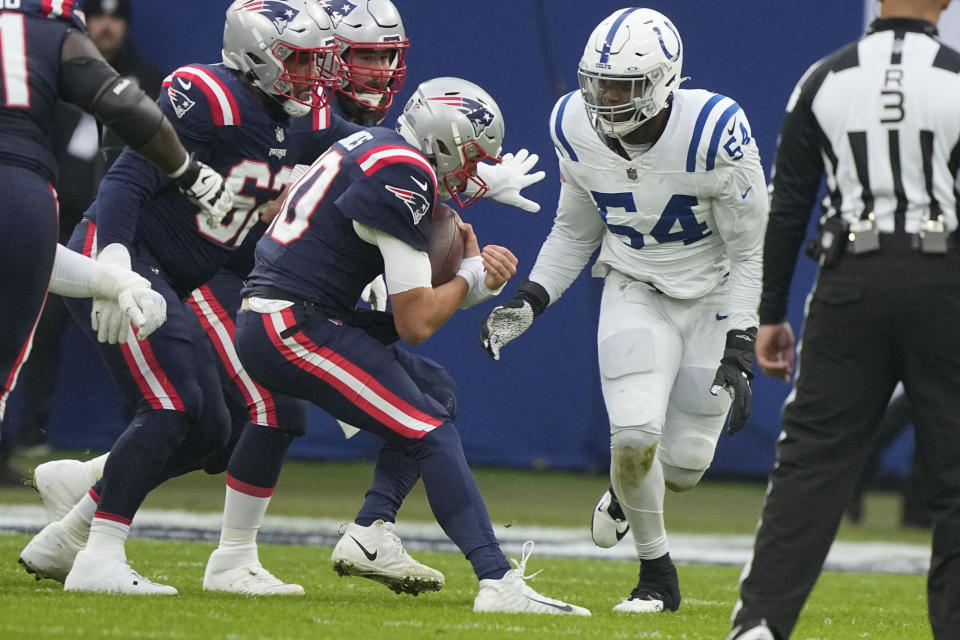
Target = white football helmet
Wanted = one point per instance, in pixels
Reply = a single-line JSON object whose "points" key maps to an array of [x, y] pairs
{"points": [[373, 52], [286, 48], [456, 124], [630, 66]]}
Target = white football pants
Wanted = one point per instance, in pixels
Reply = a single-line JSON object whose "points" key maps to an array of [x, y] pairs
{"points": [[658, 356]]}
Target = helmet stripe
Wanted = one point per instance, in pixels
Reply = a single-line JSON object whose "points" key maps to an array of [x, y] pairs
{"points": [[605, 55]]}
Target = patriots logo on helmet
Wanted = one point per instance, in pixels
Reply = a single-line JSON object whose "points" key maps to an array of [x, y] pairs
{"points": [[416, 202], [279, 13], [338, 10], [478, 115], [181, 102]]}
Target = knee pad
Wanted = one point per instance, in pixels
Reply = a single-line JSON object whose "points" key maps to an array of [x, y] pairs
{"points": [[685, 461], [633, 453], [291, 415], [431, 378]]}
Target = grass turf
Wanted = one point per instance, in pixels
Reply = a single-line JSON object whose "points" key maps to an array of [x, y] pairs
{"points": [[844, 606]]}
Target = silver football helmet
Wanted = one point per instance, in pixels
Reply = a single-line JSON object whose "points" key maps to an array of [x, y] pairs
{"points": [[286, 48], [630, 66], [373, 51], [456, 124]]}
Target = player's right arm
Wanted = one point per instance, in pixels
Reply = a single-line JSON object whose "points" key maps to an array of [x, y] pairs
{"points": [[87, 81], [577, 232]]}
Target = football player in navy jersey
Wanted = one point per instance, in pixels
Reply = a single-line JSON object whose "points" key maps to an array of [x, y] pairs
{"points": [[62, 483], [244, 117], [364, 207], [46, 56]]}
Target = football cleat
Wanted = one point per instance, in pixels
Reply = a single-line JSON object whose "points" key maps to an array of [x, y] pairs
{"points": [[512, 594], [653, 593], [61, 484], [752, 630], [238, 570], [375, 552], [103, 574], [608, 525], [50, 554]]}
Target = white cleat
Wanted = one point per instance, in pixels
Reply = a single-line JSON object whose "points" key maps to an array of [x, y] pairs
{"points": [[608, 524], [752, 631], [511, 594], [101, 574], [50, 554], [375, 552], [238, 570], [61, 484], [650, 603]]}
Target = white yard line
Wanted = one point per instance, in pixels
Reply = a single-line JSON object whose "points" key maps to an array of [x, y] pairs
{"points": [[885, 557]]}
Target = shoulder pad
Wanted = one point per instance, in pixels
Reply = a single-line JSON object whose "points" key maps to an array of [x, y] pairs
{"points": [[718, 133], [198, 97]]}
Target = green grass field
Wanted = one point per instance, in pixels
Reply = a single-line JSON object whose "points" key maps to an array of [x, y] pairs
{"points": [[843, 606]]}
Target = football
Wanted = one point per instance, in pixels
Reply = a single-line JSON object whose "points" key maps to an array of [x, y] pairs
{"points": [[446, 245]]}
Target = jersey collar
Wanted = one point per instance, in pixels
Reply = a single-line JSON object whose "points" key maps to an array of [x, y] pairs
{"points": [[902, 24]]}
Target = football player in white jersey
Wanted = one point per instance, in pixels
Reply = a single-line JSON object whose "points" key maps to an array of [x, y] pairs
{"points": [[668, 184]]}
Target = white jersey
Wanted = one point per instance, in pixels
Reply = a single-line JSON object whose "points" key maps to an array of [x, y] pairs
{"points": [[683, 216]]}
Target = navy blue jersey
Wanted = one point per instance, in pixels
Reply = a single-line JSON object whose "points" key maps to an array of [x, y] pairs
{"points": [[322, 128], [30, 41], [312, 251], [218, 118]]}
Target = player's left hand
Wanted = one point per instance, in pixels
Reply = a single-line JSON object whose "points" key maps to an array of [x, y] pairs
{"points": [[375, 294], [137, 305], [507, 179], [207, 189], [500, 265], [734, 375]]}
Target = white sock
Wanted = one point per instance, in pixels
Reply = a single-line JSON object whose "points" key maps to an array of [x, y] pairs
{"points": [[642, 504], [94, 468], [78, 519], [107, 538], [242, 517]]}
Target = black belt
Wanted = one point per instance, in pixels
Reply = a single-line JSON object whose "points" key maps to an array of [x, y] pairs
{"points": [[310, 306], [377, 324]]}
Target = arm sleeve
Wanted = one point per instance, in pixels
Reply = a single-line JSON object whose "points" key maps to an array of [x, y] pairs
{"points": [[132, 180], [798, 170], [577, 232], [741, 209], [404, 268]]}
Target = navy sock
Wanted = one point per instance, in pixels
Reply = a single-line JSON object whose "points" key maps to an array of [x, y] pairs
{"points": [[258, 457], [456, 501], [393, 478], [138, 459]]}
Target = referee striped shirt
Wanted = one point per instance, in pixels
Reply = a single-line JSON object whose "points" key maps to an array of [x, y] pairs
{"points": [[879, 119]]}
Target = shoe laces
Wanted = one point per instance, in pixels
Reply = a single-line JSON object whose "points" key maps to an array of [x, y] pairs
{"points": [[391, 535], [521, 566]]}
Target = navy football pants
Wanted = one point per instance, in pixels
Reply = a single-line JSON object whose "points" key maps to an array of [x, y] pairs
{"points": [[28, 227]]}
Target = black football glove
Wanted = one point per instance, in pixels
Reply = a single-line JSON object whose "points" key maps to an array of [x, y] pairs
{"points": [[508, 320], [734, 375]]}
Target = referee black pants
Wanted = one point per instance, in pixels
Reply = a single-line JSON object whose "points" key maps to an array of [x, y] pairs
{"points": [[873, 320]]}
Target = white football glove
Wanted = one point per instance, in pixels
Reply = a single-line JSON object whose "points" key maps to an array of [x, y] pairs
{"points": [[375, 294], [123, 297], [505, 180], [205, 188]]}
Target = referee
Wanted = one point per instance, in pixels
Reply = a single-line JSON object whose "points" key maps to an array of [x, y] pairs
{"points": [[880, 119]]}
